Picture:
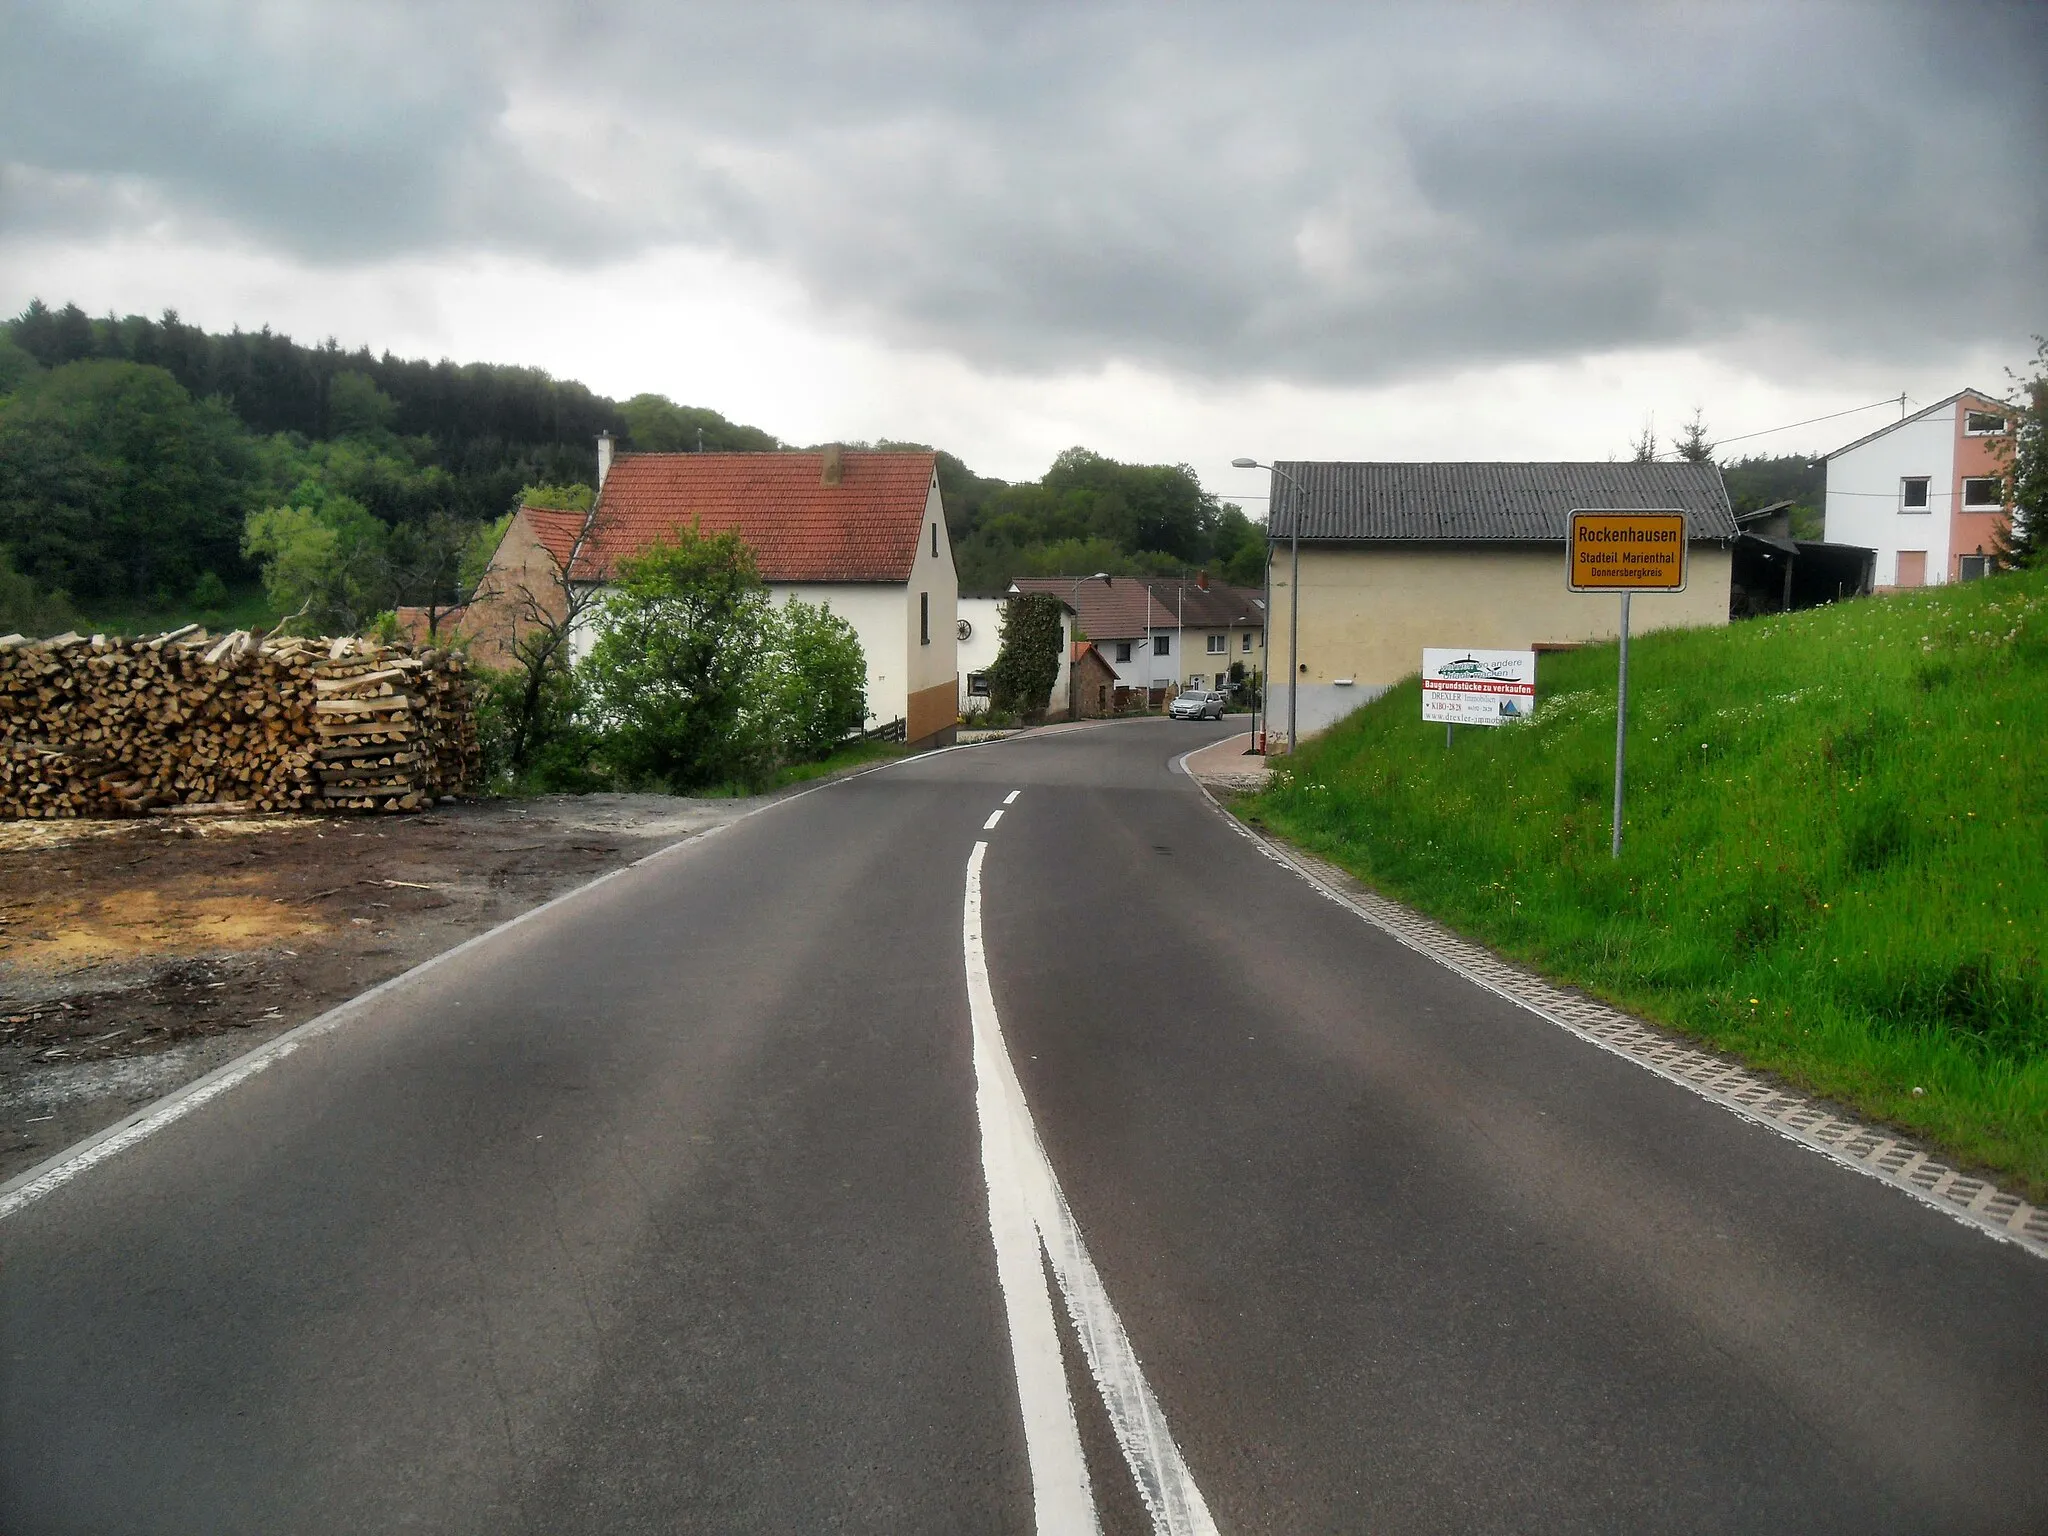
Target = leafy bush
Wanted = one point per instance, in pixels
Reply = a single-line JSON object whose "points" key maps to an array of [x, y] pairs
{"points": [[815, 678], [671, 677], [697, 679], [560, 746]]}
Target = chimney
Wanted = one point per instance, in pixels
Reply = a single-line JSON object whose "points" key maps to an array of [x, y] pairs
{"points": [[604, 457], [1202, 580], [832, 465]]}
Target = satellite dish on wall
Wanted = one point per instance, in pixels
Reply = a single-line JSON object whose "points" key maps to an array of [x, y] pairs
{"points": [[965, 630]]}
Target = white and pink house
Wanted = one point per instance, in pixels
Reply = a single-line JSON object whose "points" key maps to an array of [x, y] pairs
{"points": [[1927, 492]]}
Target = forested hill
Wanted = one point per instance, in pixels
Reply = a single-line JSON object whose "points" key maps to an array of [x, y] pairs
{"points": [[152, 472]]}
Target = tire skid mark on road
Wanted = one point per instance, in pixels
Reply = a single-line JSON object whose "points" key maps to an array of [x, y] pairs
{"points": [[1161, 1474]]}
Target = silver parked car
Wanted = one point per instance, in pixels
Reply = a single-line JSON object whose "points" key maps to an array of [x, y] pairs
{"points": [[1197, 706]]}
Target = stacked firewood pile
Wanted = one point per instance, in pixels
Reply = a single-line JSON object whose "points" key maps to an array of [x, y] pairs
{"points": [[186, 722]]}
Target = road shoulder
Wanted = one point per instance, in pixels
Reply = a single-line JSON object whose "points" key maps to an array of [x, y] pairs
{"points": [[1834, 1133]]}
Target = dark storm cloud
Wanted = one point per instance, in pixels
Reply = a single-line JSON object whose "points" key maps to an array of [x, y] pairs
{"points": [[1304, 192]]}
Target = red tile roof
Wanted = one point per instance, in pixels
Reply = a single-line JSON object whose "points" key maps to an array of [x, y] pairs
{"points": [[866, 528]]}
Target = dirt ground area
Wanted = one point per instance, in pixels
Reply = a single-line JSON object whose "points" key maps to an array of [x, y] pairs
{"points": [[138, 955]]}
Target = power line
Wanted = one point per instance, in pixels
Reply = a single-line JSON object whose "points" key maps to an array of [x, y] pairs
{"points": [[1743, 437]]}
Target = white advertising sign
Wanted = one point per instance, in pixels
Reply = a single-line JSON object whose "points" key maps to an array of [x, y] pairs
{"points": [[1478, 687]]}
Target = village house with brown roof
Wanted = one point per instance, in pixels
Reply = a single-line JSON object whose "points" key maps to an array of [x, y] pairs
{"points": [[861, 532], [1161, 636]]}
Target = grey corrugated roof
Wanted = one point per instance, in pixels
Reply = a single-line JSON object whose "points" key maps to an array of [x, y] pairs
{"points": [[1487, 503]]}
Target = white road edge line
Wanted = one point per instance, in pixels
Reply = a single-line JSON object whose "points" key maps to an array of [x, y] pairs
{"points": [[32, 1184], [1162, 1476], [993, 817], [1734, 1107], [1011, 797]]}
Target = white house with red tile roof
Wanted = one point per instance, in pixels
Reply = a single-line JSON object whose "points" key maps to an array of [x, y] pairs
{"points": [[860, 532]]}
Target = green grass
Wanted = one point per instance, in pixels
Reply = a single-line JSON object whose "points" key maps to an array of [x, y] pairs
{"points": [[859, 755], [1836, 854], [246, 608]]}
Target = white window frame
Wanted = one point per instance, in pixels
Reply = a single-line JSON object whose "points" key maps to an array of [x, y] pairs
{"points": [[1927, 495], [1219, 645], [1998, 431], [1247, 642], [1997, 501]]}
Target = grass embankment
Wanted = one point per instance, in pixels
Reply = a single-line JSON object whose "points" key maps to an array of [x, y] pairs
{"points": [[859, 755], [1836, 852]]}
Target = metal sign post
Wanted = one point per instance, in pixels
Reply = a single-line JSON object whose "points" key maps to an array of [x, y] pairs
{"points": [[1625, 552], [1620, 729]]}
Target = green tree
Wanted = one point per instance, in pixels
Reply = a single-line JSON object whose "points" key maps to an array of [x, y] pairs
{"points": [[356, 407], [1691, 444], [16, 366], [209, 593], [1027, 660], [671, 679], [327, 567], [559, 498], [815, 678], [2024, 542], [1240, 549], [1643, 449], [114, 482], [27, 609], [656, 424]]}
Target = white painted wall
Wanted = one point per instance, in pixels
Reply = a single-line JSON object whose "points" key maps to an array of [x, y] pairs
{"points": [[977, 653], [928, 665], [1863, 494]]}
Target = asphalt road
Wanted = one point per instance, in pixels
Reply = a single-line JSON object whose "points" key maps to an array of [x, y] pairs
{"points": [[670, 1210]]}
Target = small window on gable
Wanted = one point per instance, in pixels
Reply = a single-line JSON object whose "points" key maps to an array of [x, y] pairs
{"points": [[1982, 423], [935, 541], [1982, 495], [1913, 494]]}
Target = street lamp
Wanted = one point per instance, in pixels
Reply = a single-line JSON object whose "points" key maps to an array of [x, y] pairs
{"points": [[1293, 588]]}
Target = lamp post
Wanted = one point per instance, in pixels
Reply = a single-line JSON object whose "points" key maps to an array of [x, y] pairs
{"points": [[1293, 590]]}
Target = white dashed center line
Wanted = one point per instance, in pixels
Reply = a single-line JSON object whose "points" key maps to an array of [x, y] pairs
{"points": [[993, 817], [1011, 797]]}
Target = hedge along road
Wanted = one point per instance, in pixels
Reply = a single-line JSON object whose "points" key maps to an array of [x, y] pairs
{"points": [[689, 1204]]}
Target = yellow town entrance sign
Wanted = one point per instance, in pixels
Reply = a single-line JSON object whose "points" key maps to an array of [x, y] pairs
{"points": [[1627, 552]]}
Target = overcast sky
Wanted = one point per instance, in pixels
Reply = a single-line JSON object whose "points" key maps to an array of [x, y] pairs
{"points": [[1170, 232]]}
